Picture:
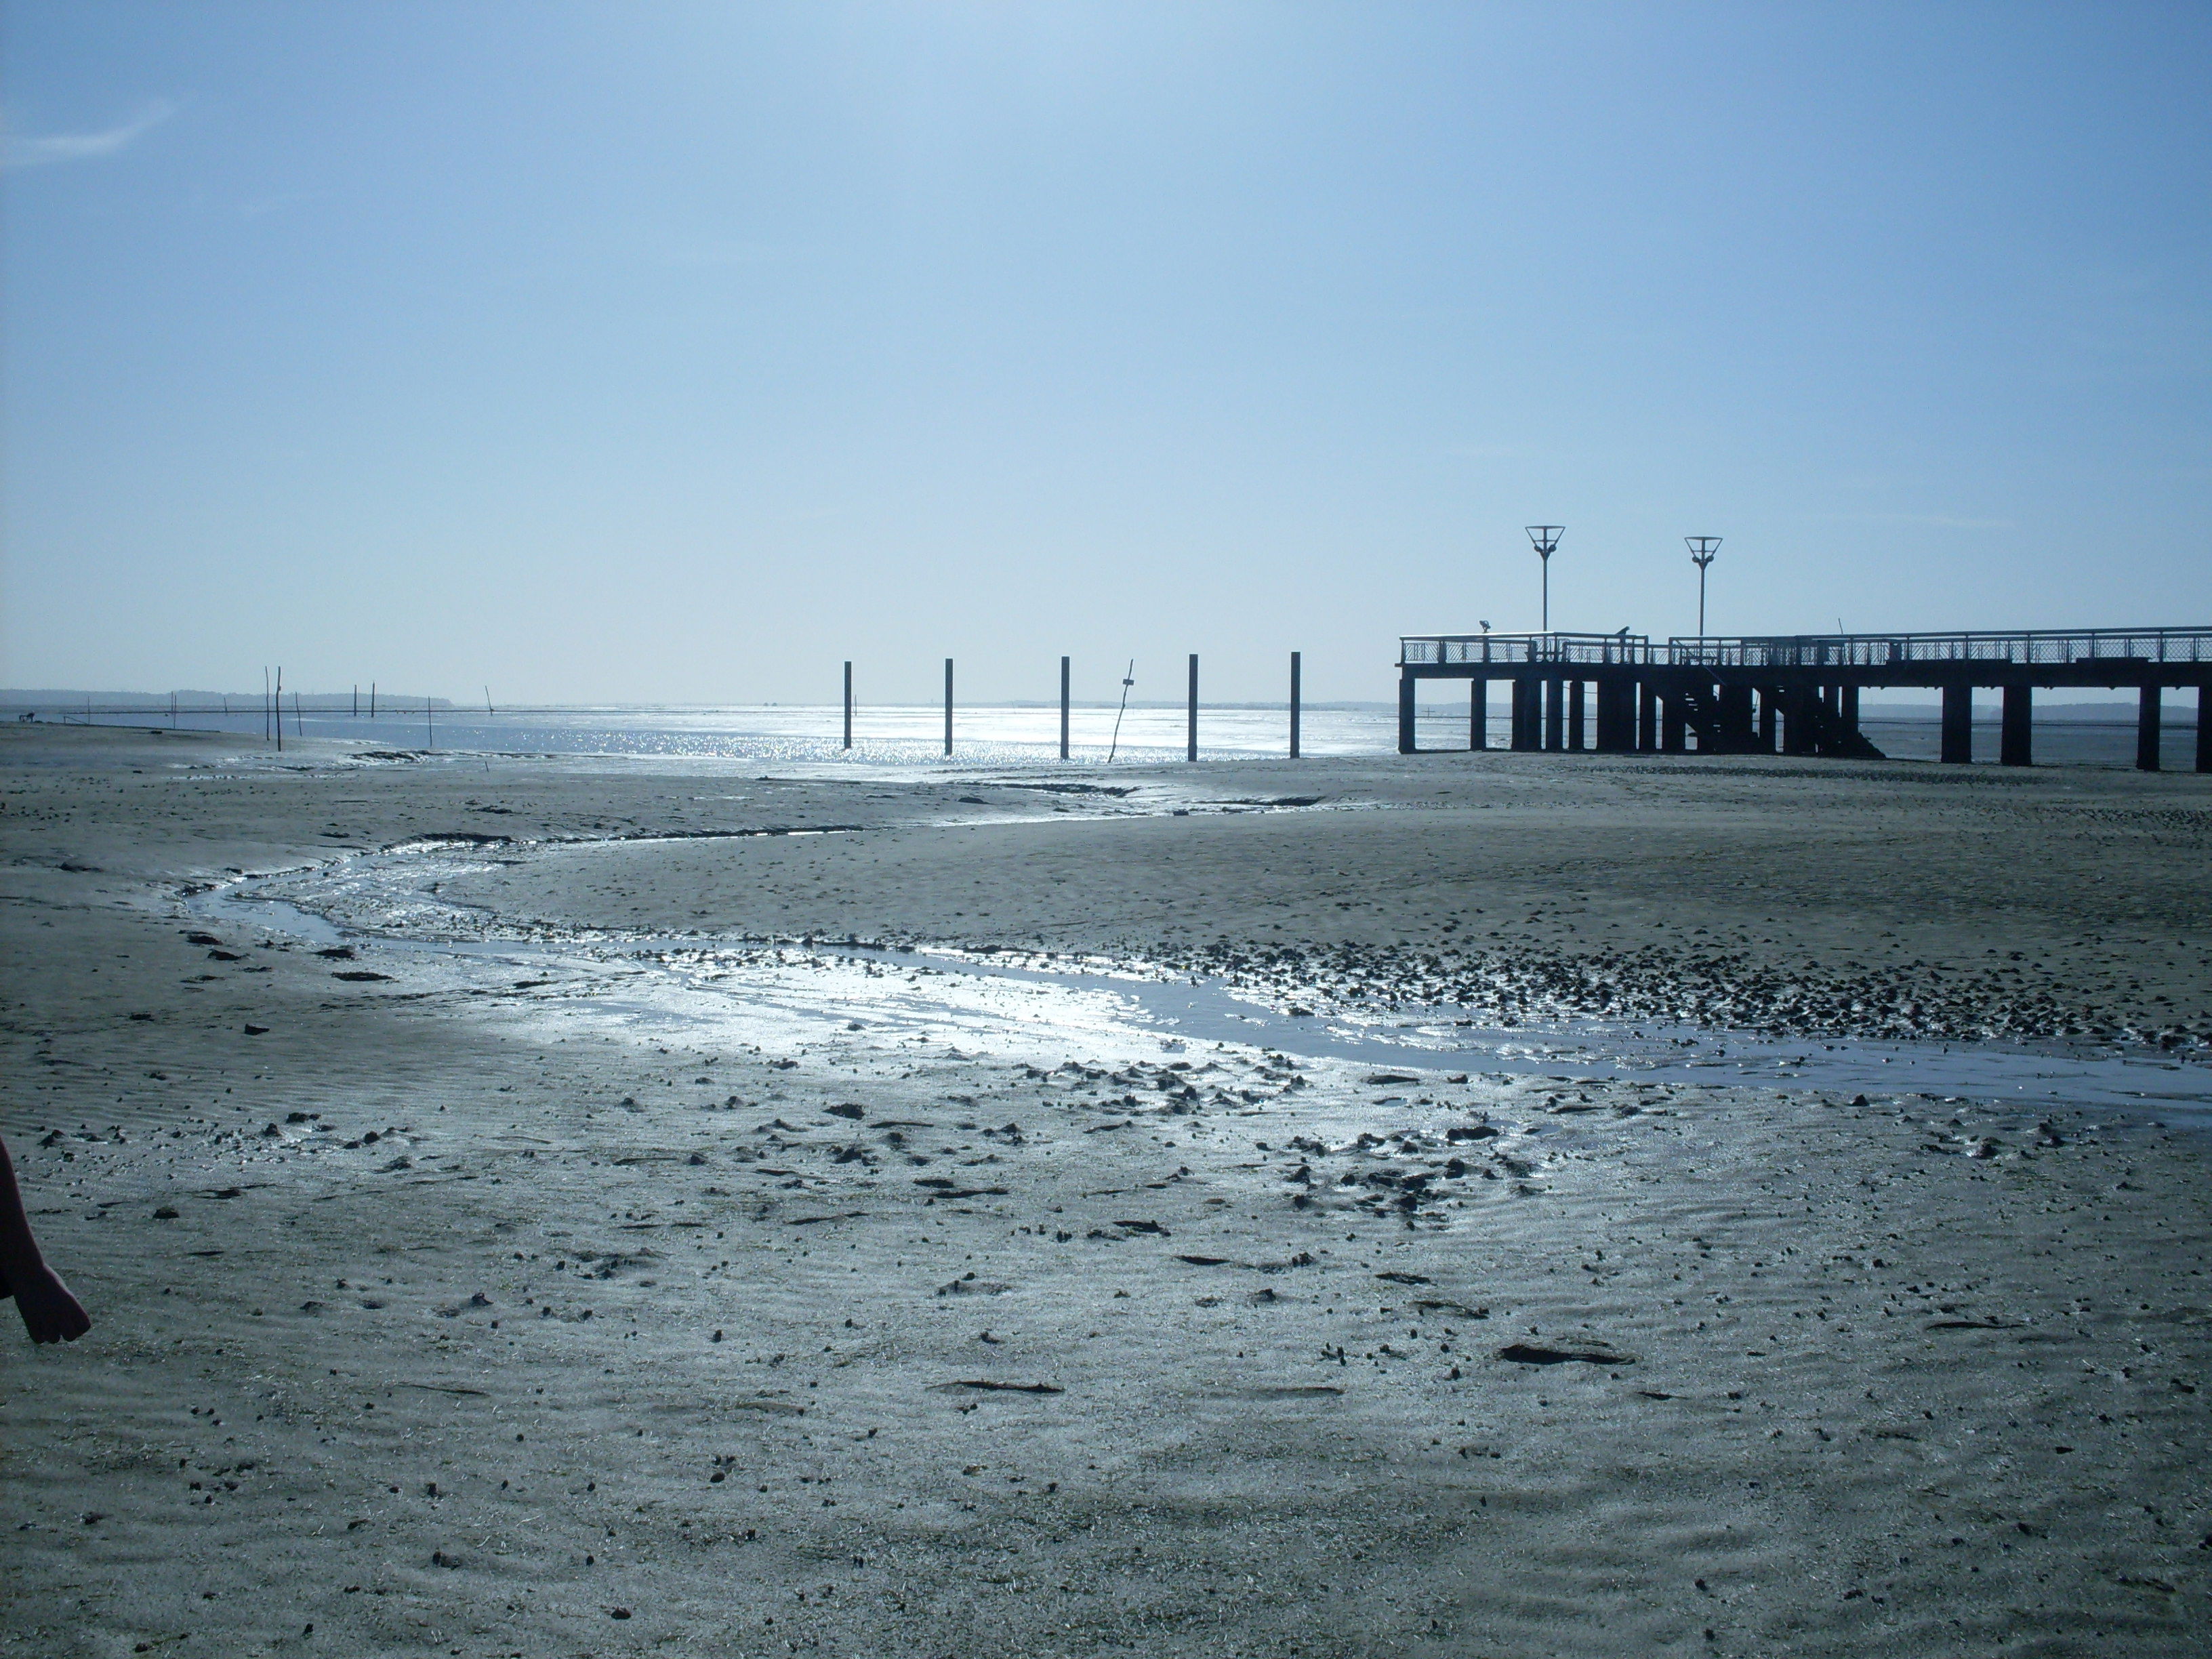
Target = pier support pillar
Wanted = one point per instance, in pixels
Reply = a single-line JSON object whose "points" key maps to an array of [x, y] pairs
{"points": [[1847, 704], [2204, 728], [2016, 735], [1527, 713], [1647, 717], [1478, 713], [848, 707], [1405, 685], [1801, 708], [1957, 725], [1577, 726], [1673, 730], [948, 705], [1555, 715], [1736, 716], [1616, 717], [1294, 707], [1767, 708], [2146, 713], [1296, 665]]}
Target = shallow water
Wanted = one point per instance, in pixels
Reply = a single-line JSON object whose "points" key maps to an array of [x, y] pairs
{"points": [[388, 902]]}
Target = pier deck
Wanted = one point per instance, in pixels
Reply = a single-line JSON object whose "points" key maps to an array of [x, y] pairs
{"points": [[1794, 694]]}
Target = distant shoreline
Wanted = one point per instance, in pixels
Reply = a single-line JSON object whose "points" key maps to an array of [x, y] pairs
{"points": [[2176, 716]]}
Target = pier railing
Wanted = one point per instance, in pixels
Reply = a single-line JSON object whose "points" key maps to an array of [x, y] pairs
{"points": [[1510, 648], [2069, 645], [2060, 645]]}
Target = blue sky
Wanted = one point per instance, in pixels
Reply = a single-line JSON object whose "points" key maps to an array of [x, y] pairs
{"points": [[666, 351]]}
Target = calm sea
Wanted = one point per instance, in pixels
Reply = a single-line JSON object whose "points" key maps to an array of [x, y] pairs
{"points": [[983, 735], [996, 735]]}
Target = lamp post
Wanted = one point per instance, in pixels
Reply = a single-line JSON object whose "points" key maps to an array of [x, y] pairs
{"points": [[1544, 539], [1702, 550]]}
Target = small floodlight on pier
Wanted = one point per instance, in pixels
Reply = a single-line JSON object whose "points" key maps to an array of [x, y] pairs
{"points": [[1702, 549], [1544, 539]]}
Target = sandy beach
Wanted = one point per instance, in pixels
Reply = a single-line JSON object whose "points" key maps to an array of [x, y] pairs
{"points": [[570, 1254]]}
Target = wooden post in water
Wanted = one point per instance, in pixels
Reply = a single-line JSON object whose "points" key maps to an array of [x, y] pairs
{"points": [[849, 705], [1063, 709], [430, 724], [2015, 734], [356, 701], [276, 708], [2146, 734], [948, 705], [1190, 725], [1295, 667], [372, 699]]}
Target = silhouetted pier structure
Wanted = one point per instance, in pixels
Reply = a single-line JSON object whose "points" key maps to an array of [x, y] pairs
{"points": [[1796, 694]]}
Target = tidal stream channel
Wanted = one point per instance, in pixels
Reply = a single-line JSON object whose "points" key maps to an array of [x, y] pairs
{"points": [[385, 908]]}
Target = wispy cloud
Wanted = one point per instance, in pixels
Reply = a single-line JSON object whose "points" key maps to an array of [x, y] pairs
{"points": [[22, 152]]}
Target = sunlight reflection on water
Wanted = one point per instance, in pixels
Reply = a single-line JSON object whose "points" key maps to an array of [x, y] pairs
{"points": [[1024, 734], [986, 735]]}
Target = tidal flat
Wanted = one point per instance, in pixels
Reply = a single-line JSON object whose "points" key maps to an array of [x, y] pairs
{"points": [[571, 1244]]}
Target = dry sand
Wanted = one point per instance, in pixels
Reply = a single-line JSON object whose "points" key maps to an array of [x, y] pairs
{"points": [[628, 1330]]}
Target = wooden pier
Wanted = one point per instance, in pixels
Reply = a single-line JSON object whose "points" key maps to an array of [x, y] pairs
{"points": [[1794, 694]]}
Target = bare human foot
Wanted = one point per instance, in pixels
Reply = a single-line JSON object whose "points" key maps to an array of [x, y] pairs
{"points": [[50, 1313]]}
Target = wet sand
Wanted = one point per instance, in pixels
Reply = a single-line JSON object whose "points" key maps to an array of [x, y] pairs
{"points": [[459, 1310]]}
